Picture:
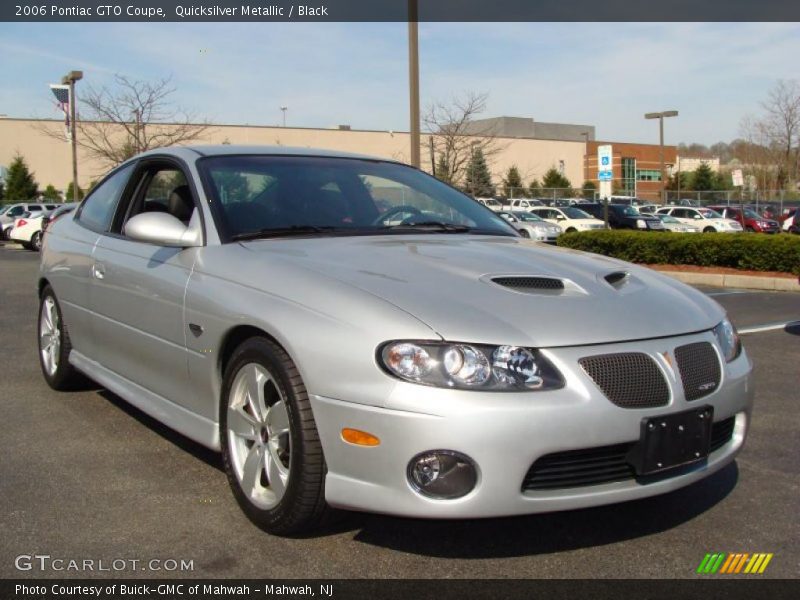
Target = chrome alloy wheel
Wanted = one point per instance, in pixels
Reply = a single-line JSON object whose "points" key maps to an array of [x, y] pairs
{"points": [[49, 335], [259, 435]]}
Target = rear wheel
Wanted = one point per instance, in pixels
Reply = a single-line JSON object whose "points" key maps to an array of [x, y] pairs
{"points": [[571, 230], [55, 346], [36, 242], [270, 445], [709, 230]]}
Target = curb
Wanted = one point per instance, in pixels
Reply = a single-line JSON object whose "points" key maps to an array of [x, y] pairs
{"points": [[748, 282]]}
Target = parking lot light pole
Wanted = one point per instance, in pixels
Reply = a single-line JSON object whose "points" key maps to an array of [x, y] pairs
{"points": [[283, 110], [413, 81], [660, 116], [70, 79]]}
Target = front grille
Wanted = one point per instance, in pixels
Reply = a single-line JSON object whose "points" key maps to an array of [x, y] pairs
{"points": [[699, 367], [628, 379], [606, 464], [523, 284]]}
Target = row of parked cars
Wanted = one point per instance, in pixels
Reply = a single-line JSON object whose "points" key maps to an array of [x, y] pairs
{"points": [[26, 223], [583, 215]]}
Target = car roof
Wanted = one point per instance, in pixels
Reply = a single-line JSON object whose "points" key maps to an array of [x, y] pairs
{"points": [[240, 149]]}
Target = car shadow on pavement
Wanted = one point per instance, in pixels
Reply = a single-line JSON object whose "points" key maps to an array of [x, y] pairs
{"points": [[208, 456], [547, 533]]}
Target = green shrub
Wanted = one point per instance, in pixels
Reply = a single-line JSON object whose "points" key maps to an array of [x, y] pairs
{"points": [[735, 250]]}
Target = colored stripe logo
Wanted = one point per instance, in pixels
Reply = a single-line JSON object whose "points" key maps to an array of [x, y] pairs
{"points": [[737, 562]]}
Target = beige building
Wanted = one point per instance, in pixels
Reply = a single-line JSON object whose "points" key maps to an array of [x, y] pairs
{"points": [[50, 159], [688, 164]]}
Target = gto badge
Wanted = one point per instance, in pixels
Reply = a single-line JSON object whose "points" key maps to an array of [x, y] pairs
{"points": [[707, 386]]}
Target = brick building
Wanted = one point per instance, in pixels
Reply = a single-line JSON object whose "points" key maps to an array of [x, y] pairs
{"points": [[636, 168]]}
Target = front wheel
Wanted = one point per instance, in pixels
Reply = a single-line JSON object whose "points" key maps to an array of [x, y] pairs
{"points": [[524, 233], [571, 230], [270, 445], [709, 230]]}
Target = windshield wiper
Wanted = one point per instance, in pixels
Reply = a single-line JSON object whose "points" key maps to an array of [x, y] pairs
{"points": [[273, 232], [430, 226]]}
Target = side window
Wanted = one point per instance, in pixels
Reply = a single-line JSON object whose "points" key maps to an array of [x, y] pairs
{"points": [[164, 189], [34, 207], [16, 211], [99, 207]]}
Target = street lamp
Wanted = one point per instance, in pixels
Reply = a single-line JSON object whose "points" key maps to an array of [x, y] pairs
{"points": [[70, 79], [413, 81], [660, 116], [283, 110]]}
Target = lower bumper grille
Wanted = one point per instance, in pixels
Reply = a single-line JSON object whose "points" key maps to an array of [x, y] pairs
{"points": [[594, 466]]}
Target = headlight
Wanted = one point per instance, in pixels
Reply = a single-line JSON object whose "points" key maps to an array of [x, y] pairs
{"points": [[641, 224], [728, 340], [470, 366]]}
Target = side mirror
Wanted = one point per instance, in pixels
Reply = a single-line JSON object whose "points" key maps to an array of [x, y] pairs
{"points": [[698, 217], [163, 229], [560, 217]]}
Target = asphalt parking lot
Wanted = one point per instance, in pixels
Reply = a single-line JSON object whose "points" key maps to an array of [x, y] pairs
{"points": [[85, 476]]}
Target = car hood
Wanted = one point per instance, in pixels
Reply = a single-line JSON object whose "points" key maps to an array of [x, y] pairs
{"points": [[446, 281]]}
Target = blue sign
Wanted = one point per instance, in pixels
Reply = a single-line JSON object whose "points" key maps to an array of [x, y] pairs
{"points": [[605, 175], [604, 160]]}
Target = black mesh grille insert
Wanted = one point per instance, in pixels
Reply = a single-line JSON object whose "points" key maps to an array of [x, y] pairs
{"points": [[628, 379], [523, 284], [699, 368], [606, 464]]}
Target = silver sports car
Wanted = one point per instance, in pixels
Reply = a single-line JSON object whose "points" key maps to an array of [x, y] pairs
{"points": [[352, 333]]}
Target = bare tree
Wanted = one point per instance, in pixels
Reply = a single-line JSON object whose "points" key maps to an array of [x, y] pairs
{"points": [[456, 135], [782, 124], [133, 116]]}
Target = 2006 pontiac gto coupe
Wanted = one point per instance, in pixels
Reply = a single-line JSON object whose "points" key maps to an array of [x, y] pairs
{"points": [[351, 332]]}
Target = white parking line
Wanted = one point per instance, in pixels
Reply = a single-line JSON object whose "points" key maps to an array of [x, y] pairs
{"points": [[734, 292], [768, 327]]}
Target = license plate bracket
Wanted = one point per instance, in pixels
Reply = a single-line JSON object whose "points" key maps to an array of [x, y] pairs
{"points": [[670, 441]]}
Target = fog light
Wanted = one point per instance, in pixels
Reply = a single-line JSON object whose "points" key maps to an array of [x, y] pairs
{"points": [[442, 474]]}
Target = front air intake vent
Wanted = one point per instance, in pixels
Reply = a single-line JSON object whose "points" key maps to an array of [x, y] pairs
{"points": [[616, 278], [628, 379], [699, 368], [530, 284]]}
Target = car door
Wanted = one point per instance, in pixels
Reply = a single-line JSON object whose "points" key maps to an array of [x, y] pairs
{"points": [[70, 257], [138, 289]]}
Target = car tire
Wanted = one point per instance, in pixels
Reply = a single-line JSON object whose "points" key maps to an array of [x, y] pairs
{"points": [[36, 242], [272, 455], [55, 345], [749, 229], [524, 233], [709, 230], [571, 230]]}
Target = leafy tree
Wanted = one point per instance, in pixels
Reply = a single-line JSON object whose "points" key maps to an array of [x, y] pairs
{"points": [[20, 184], [478, 180], [703, 178], [51, 193], [512, 184], [2, 191], [71, 192], [589, 188], [443, 170], [555, 179], [685, 182], [535, 189]]}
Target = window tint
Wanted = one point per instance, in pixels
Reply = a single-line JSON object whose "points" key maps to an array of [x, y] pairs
{"points": [[98, 209], [34, 207], [16, 211]]}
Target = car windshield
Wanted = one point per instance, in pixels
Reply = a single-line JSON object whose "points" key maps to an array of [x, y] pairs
{"points": [[668, 219], [709, 214], [575, 213], [630, 211], [258, 196], [526, 216], [751, 214]]}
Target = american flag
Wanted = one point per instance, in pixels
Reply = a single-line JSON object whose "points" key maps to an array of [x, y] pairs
{"points": [[61, 92]]}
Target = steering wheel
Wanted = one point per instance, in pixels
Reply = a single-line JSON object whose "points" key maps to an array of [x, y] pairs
{"points": [[403, 208]]}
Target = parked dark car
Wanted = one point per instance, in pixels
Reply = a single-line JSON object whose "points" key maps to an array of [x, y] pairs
{"points": [[622, 216], [749, 219]]}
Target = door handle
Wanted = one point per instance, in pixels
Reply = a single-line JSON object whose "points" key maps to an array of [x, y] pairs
{"points": [[98, 271]]}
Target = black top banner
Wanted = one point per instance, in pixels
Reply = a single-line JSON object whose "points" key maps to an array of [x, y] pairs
{"points": [[400, 10]]}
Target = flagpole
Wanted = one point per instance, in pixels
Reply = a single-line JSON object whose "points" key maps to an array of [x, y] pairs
{"points": [[71, 78]]}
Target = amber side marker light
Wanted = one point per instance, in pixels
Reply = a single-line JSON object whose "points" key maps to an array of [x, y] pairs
{"points": [[359, 438]]}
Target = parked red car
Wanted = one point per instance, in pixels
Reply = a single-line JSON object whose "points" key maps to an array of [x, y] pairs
{"points": [[749, 219]]}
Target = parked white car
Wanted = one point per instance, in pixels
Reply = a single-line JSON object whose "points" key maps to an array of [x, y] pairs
{"points": [[670, 223], [29, 229], [568, 218], [12, 212], [705, 219], [532, 226], [491, 203], [521, 204]]}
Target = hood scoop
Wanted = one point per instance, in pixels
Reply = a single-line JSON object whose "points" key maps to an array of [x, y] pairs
{"points": [[617, 278], [530, 284]]}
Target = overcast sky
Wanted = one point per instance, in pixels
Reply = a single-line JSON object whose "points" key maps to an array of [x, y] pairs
{"points": [[606, 75]]}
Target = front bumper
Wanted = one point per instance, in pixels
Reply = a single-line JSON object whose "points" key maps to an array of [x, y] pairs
{"points": [[505, 433]]}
